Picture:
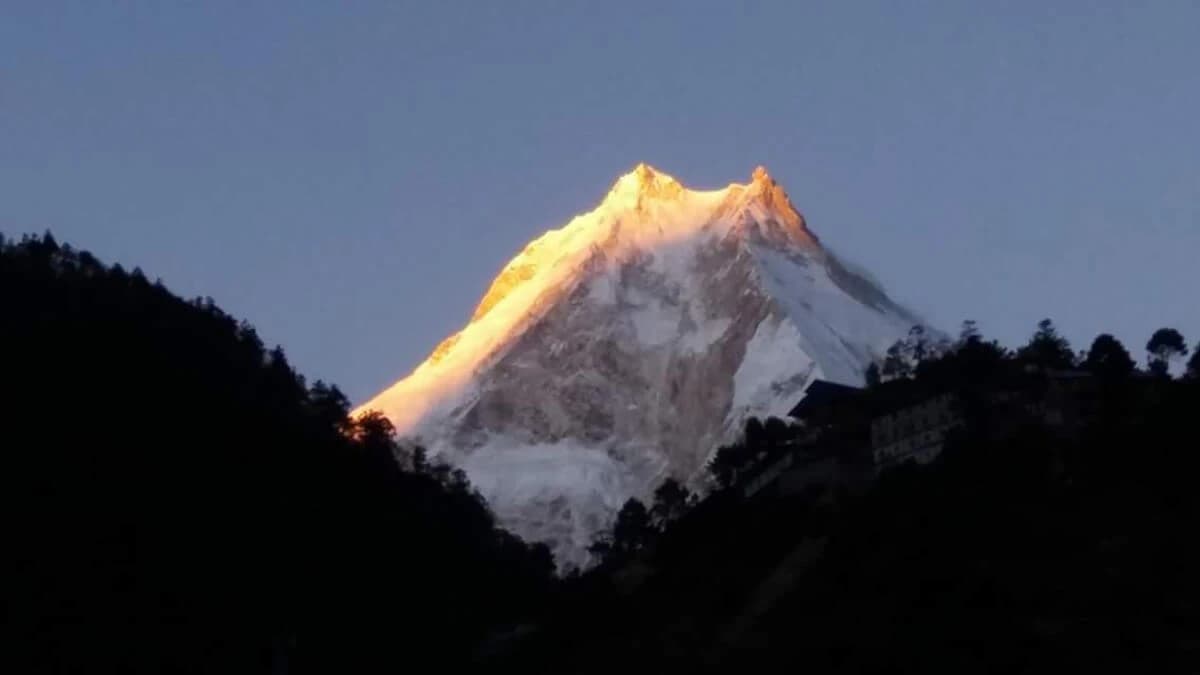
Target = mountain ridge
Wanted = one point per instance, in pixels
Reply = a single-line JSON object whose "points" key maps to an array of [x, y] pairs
{"points": [[628, 344]]}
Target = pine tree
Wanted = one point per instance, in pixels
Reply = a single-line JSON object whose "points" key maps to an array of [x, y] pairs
{"points": [[671, 499], [1047, 349], [872, 375], [632, 528]]}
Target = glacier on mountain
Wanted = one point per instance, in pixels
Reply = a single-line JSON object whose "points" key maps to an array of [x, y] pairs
{"points": [[626, 346]]}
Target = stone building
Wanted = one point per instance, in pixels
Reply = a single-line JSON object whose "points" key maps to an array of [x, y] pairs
{"points": [[916, 432], [824, 457]]}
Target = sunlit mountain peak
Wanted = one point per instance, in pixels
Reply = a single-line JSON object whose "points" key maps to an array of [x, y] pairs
{"points": [[643, 183], [657, 198], [628, 344], [774, 200]]}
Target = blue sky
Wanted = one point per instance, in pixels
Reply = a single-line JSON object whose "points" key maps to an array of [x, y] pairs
{"points": [[349, 176]]}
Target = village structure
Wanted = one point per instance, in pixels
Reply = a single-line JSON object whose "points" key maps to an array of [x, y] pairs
{"points": [[849, 436]]}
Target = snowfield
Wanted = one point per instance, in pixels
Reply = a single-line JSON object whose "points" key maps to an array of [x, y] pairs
{"points": [[626, 346]]}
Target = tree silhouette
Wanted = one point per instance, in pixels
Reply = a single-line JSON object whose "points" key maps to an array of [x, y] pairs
{"points": [[872, 376], [896, 364], [632, 526], [1164, 346], [918, 345], [968, 333], [776, 431], [671, 500], [726, 462], [1193, 364], [755, 432], [1108, 358], [1047, 349]]}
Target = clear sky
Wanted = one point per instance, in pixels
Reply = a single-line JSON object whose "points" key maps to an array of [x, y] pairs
{"points": [[350, 175]]}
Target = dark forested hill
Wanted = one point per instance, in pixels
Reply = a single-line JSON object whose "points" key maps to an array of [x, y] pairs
{"points": [[176, 499], [1034, 543]]}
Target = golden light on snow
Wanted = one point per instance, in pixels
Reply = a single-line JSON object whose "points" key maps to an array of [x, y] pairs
{"points": [[645, 209], [630, 342]]}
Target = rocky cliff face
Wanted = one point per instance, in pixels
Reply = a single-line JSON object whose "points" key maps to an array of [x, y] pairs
{"points": [[626, 346]]}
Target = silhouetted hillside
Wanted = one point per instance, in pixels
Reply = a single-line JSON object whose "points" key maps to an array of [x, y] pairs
{"points": [[177, 499]]}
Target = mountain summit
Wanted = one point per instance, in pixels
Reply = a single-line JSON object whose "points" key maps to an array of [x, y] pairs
{"points": [[626, 346]]}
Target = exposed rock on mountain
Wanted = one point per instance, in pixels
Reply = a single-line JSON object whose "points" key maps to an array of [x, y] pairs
{"points": [[627, 345]]}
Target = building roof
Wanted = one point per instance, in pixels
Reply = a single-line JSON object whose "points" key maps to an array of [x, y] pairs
{"points": [[819, 395]]}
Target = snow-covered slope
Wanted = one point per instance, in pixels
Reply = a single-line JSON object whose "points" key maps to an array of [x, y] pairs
{"points": [[627, 345]]}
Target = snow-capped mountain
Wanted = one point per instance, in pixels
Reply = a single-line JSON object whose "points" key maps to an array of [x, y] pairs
{"points": [[626, 346]]}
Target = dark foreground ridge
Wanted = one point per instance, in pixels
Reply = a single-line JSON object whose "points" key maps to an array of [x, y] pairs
{"points": [[177, 499]]}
